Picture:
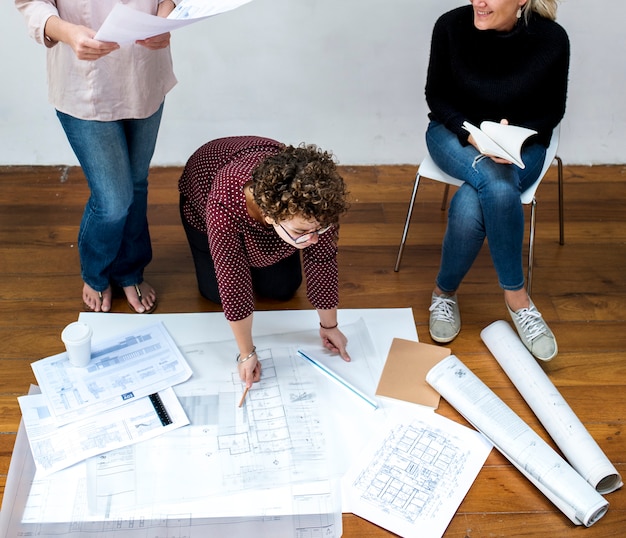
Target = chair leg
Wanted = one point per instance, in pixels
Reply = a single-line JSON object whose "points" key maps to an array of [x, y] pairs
{"points": [[444, 202], [561, 218], [531, 239], [407, 222], [531, 247]]}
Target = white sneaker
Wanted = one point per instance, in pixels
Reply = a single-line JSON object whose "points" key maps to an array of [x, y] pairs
{"points": [[445, 318], [534, 332]]}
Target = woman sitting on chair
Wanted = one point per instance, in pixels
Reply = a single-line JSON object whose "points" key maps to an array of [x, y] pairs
{"points": [[505, 61]]}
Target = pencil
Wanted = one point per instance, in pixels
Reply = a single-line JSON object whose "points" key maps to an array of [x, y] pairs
{"points": [[243, 397]]}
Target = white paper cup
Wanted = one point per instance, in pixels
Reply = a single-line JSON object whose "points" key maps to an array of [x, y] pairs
{"points": [[77, 339]]}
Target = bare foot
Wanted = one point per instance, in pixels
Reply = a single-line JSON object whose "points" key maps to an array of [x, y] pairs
{"points": [[141, 297], [97, 301]]}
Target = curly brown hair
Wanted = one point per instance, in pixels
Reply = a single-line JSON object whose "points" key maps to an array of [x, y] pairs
{"points": [[300, 181]]}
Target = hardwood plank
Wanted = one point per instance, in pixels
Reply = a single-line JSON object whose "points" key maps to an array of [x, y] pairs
{"points": [[579, 287]]}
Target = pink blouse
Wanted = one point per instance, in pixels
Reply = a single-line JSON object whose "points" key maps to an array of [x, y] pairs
{"points": [[129, 83], [214, 202]]}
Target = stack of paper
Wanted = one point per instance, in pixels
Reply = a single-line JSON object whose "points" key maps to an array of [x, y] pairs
{"points": [[123, 396]]}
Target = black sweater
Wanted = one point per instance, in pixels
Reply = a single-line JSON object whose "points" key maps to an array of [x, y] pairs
{"points": [[478, 75]]}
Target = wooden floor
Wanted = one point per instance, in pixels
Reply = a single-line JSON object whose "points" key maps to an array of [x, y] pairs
{"points": [[579, 287]]}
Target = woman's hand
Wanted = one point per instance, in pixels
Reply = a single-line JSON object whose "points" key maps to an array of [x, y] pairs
{"points": [[335, 341], [160, 41], [248, 363], [495, 159], [250, 371], [79, 37], [156, 42]]}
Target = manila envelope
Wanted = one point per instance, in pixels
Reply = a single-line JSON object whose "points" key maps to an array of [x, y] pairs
{"points": [[404, 373]]}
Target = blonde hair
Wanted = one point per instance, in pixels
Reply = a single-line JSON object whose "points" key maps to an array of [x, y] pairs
{"points": [[545, 8]]}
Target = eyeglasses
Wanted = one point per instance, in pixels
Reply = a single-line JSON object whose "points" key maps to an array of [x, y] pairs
{"points": [[299, 239]]}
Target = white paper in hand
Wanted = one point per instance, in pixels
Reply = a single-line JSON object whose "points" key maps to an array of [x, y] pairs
{"points": [[500, 140]]}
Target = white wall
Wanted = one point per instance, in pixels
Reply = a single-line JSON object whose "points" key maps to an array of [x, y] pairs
{"points": [[347, 75]]}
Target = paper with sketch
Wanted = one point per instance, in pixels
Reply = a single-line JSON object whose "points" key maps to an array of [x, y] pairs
{"points": [[500, 140], [194, 9], [557, 417], [413, 475], [312, 507], [56, 505], [57, 447], [404, 374], [129, 366], [282, 435], [254, 447], [528, 452], [126, 25]]}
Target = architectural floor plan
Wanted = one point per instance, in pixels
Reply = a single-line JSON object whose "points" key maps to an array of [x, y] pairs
{"points": [[413, 476], [262, 469]]}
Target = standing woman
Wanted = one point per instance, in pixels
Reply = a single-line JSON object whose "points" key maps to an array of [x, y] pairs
{"points": [[109, 100], [257, 212], [505, 61]]}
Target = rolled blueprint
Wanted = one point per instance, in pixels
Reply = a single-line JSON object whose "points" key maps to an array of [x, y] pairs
{"points": [[528, 452], [568, 432]]}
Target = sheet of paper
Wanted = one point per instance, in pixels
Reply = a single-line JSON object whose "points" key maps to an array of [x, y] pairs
{"points": [[57, 447], [385, 323], [404, 374], [557, 417], [499, 140], [413, 475], [194, 9], [126, 25], [57, 505], [284, 434], [356, 380], [124, 367], [528, 452], [59, 500]]}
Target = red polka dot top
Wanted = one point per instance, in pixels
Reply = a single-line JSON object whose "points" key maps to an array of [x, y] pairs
{"points": [[214, 203]]}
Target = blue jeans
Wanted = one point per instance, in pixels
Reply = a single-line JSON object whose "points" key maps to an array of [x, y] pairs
{"points": [[487, 205], [113, 240]]}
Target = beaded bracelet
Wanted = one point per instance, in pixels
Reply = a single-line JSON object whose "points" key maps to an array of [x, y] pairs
{"points": [[246, 358], [328, 328]]}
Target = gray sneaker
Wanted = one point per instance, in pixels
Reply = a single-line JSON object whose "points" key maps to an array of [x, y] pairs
{"points": [[445, 318], [534, 332]]}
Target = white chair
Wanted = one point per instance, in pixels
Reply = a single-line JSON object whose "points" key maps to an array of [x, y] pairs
{"points": [[430, 170]]}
